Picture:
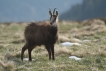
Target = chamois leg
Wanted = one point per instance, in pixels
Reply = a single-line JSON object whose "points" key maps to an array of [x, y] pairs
{"points": [[49, 51], [23, 50], [29, 52], [52, 50]]}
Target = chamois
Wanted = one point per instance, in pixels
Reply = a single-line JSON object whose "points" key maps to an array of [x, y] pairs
{"points": [[42, 33]]}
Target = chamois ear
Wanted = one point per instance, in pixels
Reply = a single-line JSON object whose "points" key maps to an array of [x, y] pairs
{"points": [[57, 13], [50, 12]]}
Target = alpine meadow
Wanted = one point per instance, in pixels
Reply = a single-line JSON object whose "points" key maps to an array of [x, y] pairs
{"points": [[90, 34]]}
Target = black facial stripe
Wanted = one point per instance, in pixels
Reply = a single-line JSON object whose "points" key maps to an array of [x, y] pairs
{"points": [[53, 21]]}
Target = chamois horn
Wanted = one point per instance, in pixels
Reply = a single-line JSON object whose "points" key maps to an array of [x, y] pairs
{"points": [[54, 11]]}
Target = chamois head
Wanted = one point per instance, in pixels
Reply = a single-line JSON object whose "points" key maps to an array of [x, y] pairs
{"points": [[53, 17]]}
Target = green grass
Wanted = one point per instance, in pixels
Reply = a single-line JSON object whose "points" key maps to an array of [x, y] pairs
{"points": [[93, 53]]}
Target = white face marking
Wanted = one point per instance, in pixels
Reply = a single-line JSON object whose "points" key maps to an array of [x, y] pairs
{"points": [[57, 19], [54, 20]]}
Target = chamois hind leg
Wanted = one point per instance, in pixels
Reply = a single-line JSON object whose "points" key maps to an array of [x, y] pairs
{"points": [[52, 50], [29, 52], [23, 50], [49, 51]]}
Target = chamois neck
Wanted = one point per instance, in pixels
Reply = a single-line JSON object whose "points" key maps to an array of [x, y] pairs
{"points": [[54, 24]]}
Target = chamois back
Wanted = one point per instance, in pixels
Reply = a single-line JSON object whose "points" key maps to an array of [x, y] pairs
{"points": [[40, 34]]}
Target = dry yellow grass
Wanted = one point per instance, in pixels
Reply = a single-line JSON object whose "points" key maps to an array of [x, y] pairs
{"points": [[62, 50], [9, 66], [93, 52]]}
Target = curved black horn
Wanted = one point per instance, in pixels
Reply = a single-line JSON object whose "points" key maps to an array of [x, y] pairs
{"points": [[54, 10]]}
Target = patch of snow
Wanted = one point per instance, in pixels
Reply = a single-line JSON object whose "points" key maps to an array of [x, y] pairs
{"points": [[74, 57], [70, 44], [85, 40], [26, 59]]}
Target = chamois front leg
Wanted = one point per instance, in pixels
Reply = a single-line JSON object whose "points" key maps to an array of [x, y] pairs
{"points": [[52, 50], [49, 51]]}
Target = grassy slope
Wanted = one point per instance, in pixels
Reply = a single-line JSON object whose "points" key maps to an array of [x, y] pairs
{"points": [[93, 53]]}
